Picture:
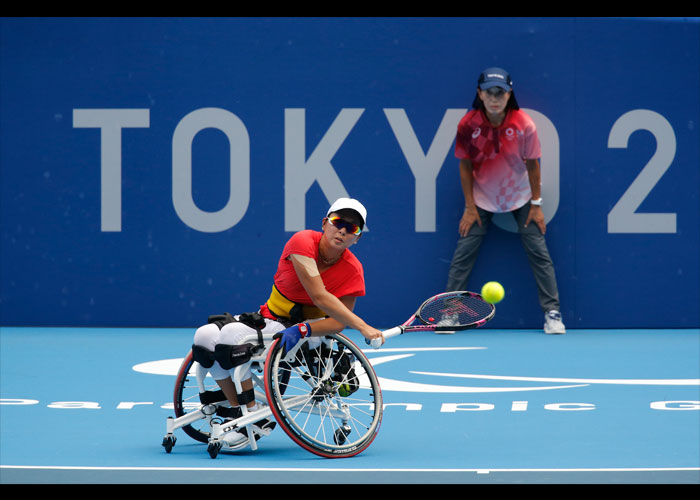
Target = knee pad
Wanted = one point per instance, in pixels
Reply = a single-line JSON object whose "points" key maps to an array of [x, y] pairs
{"points": [[230, 356], [203, 356], [207, 336]]}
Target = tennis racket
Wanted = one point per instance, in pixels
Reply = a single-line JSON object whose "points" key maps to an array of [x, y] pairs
{"points": [[449, 311]]}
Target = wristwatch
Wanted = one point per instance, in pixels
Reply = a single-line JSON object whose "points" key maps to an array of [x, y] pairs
{"points": [[537, 202]]}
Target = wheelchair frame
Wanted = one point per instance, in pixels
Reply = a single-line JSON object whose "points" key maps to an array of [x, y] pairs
{"points": [[323, 406]]}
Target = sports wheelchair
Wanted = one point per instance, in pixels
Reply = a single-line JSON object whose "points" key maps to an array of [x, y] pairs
{"points": [[323, 393]]}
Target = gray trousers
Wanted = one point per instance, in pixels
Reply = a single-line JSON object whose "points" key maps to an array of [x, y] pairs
{"points": [[535, 247]]}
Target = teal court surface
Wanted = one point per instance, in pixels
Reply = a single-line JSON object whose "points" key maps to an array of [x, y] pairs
{"points": [[89, 405]]}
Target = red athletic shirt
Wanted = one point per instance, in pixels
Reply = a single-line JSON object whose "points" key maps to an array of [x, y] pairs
{"points": [[498, 155], [345, 277]]}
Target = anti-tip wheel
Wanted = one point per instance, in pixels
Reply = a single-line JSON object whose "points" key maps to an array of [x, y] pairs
{"points": [[213, 449], [341, 434], [168, 443]]}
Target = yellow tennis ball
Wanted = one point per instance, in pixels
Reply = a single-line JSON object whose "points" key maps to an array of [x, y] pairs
{"points": [[492, 292]]}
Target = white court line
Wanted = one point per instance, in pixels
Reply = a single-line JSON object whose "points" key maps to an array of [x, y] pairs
{"points": [[319, 469], [421, 349], [687, 381]]}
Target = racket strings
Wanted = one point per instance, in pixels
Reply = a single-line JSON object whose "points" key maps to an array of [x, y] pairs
{"points": [[455, 310]]}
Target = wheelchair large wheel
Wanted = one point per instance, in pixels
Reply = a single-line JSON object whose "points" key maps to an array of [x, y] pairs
{"points": [[327, 398], [186, 398]]}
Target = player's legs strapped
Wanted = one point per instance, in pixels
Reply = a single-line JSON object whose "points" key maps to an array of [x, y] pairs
{"points": [[210, 342]]}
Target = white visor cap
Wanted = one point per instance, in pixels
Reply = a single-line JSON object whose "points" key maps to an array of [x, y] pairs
{"points": [[342, 203]]}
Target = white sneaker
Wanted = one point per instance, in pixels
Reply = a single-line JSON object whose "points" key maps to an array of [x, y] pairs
{"points": [[448, 320], [234, 438], [263, 427], [553, 324]]}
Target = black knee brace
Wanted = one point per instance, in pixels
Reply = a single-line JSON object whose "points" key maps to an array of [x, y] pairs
{"points": [[203, 356], [230, 356]]}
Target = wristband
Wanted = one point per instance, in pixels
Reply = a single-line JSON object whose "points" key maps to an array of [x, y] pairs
{"points": [[537, 202], [304, 330]]}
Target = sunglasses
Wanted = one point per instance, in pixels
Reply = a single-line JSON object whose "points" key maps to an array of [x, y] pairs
{"points": [[349, 226]]}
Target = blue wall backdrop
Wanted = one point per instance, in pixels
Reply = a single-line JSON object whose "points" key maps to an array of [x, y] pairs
{"points": [[152, 169]]}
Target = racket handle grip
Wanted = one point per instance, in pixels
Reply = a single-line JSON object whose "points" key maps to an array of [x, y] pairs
{"points": [[387, 334]]}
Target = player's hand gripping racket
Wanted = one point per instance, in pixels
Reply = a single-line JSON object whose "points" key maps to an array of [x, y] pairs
{"points": [[449, 311]]}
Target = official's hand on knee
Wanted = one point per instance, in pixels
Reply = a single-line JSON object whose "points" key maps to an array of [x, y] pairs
{"points": [[535, 215], [469, 218], [292, 335]]}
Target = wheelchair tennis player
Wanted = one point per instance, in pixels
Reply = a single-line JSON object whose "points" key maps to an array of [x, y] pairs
{"points": [[317, 282]]}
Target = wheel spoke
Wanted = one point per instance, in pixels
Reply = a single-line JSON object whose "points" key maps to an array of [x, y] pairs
{"points": [[312, 412]]}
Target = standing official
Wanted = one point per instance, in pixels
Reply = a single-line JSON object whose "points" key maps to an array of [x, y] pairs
{"points": [[498, 151]]}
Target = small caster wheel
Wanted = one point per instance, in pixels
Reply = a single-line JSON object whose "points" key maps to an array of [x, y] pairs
{"points": [[214, 448], [168, 443], [341, 434]]}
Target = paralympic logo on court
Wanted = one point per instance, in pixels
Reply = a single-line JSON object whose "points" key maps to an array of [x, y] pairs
{"points": [[511, 383], [508, 384]]}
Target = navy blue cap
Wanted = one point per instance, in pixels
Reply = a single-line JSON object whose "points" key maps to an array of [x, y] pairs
{"points": [[495, 77]]}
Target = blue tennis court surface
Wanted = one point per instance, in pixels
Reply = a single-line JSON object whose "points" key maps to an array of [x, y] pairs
{"points": [[605, 406]]}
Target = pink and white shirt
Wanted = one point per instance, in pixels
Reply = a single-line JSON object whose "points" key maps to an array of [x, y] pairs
{"points": [[498, 157]]}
